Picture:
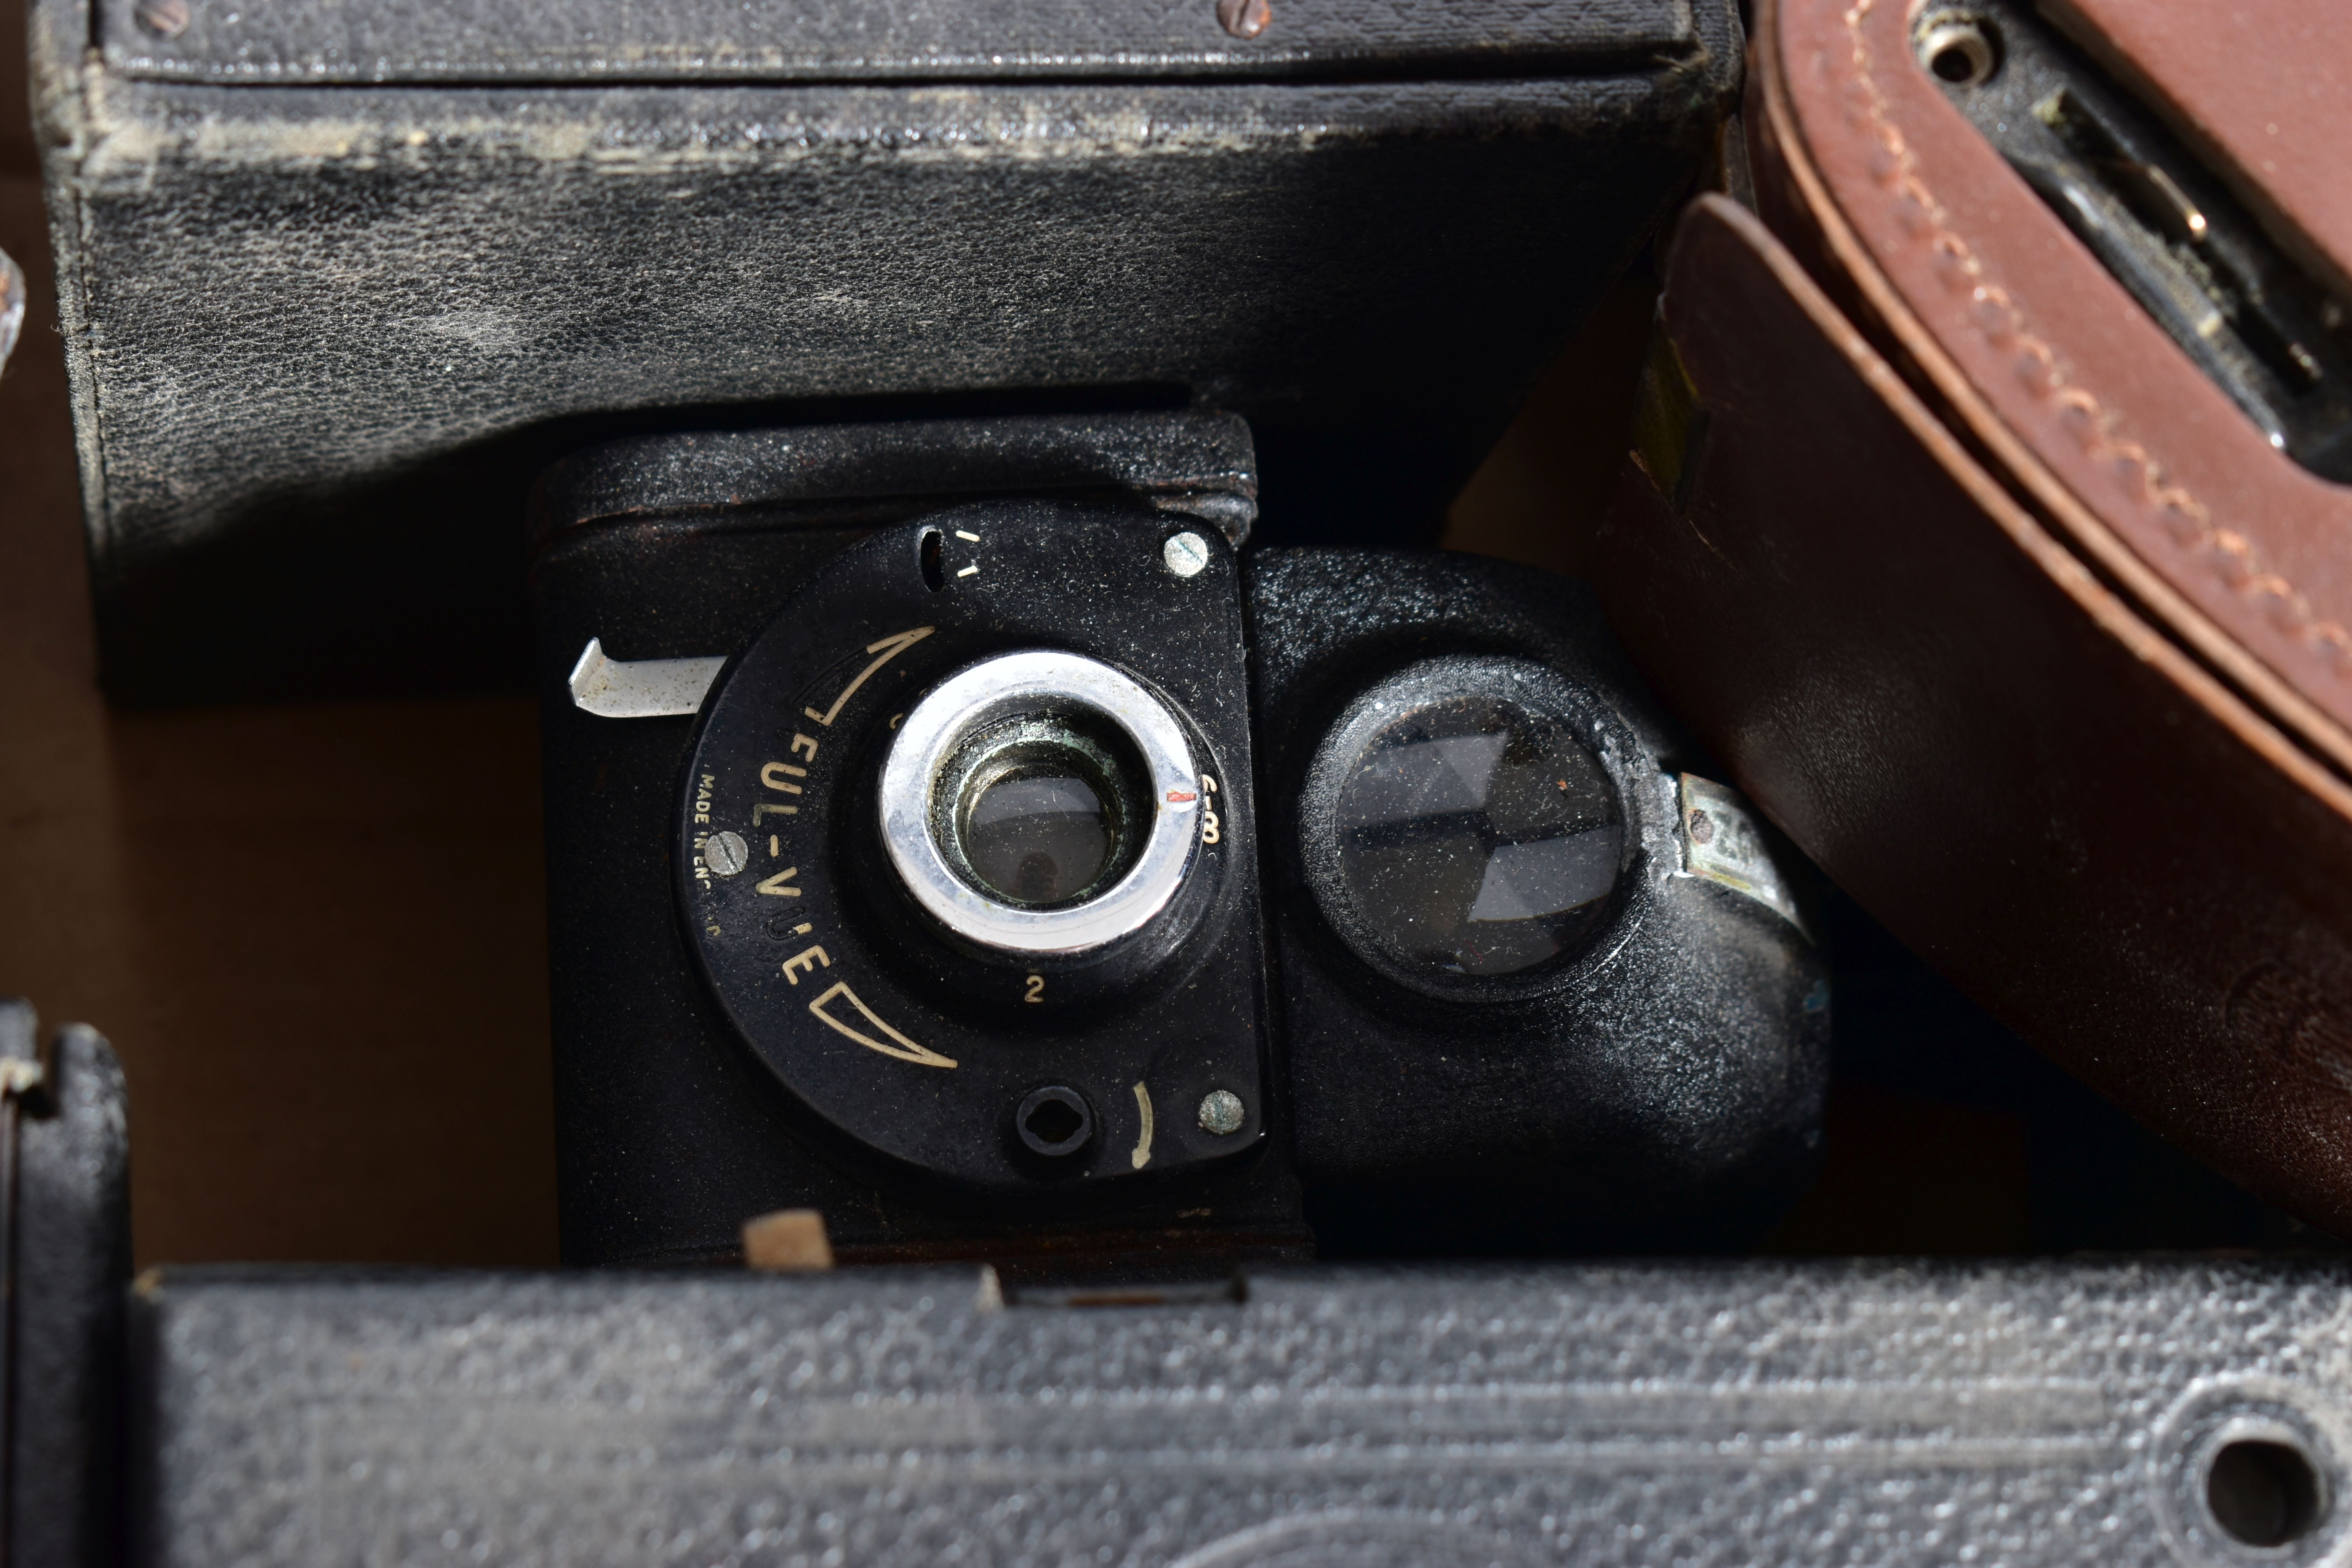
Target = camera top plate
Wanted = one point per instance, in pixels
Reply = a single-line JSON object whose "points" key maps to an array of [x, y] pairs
{"points": [[901, 1041]]}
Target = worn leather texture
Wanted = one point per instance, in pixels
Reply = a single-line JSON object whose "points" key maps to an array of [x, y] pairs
{"points": [[1975, 733], [2035, 351], [321, 337], [2266, 92], [2009, 616], [701, 40]]}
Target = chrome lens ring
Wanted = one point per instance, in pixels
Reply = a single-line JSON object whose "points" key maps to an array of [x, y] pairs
{"points": [[1007, 686]]}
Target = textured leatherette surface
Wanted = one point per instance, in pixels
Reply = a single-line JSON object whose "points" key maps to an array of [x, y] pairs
{"points": [[325, 40], [322, 336], [1773, 1415]]}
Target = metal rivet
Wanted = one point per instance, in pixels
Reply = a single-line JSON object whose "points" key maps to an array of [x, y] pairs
{"points": [[1185, 554], [1221, 1112], [165, 18], [726, 853], [1245, 18]]}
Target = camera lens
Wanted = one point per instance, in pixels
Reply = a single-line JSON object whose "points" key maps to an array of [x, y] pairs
{"points": [[1037, 806], [1041, 802], [1465, 831], [1039, 834]]}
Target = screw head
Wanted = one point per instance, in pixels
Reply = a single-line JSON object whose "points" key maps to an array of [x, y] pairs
{"points": [[1222, 1112], [165, 18], [725, 853], [1185, 554]]}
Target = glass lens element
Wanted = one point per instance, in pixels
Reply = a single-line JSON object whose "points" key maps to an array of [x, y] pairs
{"points": [[1479, 839], [1037, 836], [1042, 809]]}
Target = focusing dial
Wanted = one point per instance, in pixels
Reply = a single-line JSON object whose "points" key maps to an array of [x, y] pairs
{"points": [[962, 824]]}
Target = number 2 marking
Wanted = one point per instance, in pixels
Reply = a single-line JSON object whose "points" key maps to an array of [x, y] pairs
{"points": [[1037, 989]]}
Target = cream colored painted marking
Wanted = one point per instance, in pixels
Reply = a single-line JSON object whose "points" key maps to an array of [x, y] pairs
{"points": [[1140, 1155], [902, 1047], [890, 648]]}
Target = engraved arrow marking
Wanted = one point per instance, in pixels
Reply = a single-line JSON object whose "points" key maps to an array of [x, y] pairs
{"points": [[906, 1050], [890, 648]]}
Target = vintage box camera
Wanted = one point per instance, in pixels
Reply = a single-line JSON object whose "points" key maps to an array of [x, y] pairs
{"points": [[441, 246], [952, 829]]}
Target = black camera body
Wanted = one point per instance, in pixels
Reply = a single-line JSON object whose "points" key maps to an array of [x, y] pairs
{"points": [[950, 829]]}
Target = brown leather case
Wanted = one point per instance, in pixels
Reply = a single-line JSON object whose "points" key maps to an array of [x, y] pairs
{"points": [[1995, 603]]}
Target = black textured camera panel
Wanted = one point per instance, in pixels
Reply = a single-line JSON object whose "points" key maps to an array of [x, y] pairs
{"points": [[1197, 465], [668, 1138], [601, 40], [1661, 1090], [1770, 1415], [66, 1225]]}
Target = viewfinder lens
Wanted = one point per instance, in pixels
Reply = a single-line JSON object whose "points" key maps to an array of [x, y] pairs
{"points": [[1477, 838]]}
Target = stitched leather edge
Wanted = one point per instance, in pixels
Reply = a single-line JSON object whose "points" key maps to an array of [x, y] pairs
{"points": [[2187, 523]]}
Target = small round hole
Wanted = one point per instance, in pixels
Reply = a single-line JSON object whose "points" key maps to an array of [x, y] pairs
{"points": [[934, 574], [1959, 51], [1055, 1122], [2263, 1493]]}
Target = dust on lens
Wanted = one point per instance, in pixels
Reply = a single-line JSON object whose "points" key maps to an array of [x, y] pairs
{"points": [[1479, 839], [1039, 809]]}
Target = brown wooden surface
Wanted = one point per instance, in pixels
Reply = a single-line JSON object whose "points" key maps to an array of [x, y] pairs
{"points": [[315, 934]]}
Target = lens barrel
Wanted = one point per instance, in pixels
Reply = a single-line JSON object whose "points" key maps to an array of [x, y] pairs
{"points": [[1041, 802]]}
